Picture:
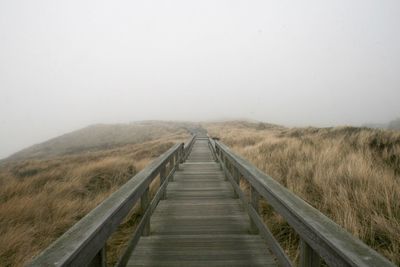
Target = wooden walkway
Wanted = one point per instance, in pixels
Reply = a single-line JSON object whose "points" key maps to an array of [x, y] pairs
{"points": [[200, 223], [204, 220]]}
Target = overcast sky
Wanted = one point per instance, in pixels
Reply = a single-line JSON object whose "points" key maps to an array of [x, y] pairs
{"points": [[67, 64]]}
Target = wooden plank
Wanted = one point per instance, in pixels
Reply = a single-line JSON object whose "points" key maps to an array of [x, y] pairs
{"points": [[208, 256], [208, 249], [189, 263], [199, 210], [204, 238], [205, 202]]}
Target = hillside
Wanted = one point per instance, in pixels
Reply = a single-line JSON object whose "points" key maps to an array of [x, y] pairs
{"points": [[46, 188], [350, 174], [394, 124], [99, 137]]}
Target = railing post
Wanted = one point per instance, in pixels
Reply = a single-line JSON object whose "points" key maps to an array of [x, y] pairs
{"points": [[224, 163], [219, 158], [144, 204], [182, 150], [229, 168], [254, 202], [182, 154], [100, 260], [177, 160], [235, 175], [308, 257], [162, 180], [172, 166]]}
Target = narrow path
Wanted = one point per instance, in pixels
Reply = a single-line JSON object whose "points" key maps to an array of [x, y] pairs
{"points": [[200, 223]]}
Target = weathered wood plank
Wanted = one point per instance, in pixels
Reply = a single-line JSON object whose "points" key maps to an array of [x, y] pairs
{"points": [[220, 263]]}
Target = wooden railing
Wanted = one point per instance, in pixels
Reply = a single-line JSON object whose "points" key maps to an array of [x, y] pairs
{"points": [[84, 243], [319, 236]]}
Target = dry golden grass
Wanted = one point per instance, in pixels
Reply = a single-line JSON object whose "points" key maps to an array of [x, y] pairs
{"points": [[350, 174], [41, 198]]}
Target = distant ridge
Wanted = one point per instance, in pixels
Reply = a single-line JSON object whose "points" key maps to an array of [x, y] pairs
{"points": [[392, 125], [106, 136], [100, 136]]}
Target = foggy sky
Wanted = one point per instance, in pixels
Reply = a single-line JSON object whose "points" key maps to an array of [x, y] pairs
{"points": [[68, 64]]}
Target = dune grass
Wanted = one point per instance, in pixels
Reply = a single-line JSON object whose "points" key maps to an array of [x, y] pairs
{"points": [[43, 197], [352, 175]]}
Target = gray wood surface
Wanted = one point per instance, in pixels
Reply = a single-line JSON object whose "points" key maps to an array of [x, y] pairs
{"points": [[200, 223]]}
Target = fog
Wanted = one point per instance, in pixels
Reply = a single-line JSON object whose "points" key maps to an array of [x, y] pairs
{"points": [[68, 64]]}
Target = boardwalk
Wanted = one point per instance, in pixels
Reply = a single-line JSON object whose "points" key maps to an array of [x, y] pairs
{"points": [[200, 223], [205, 218]]}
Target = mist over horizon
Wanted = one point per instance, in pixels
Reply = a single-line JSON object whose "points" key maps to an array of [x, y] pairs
{"points": [[67, 65]]}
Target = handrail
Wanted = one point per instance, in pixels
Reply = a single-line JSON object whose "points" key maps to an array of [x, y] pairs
{"points": [[84, 243], [320, 236]]}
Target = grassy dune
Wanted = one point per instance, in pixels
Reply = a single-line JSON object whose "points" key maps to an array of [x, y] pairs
{"points": [[43, 194], [350, 174], [101, 137]]}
